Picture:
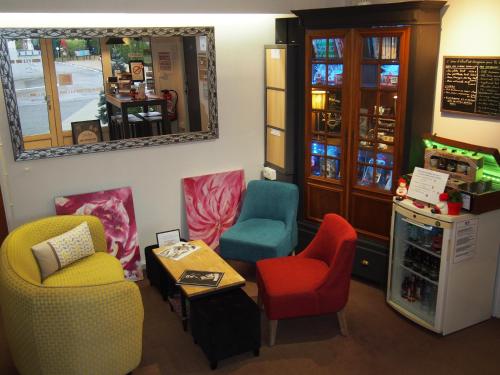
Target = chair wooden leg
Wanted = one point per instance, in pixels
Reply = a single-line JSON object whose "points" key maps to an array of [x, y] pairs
{"points": [[273, 326], [342, 323]]}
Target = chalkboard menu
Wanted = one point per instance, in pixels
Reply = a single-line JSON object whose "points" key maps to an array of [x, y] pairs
{"points": [[471, 85]]}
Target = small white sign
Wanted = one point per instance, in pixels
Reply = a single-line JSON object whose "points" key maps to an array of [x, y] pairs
{"points": [[275, 132], [275, 54], [465, 240], [426, 185]]}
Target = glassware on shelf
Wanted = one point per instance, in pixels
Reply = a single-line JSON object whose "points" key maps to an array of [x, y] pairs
{"points": [[319, 121], [334, 122]]}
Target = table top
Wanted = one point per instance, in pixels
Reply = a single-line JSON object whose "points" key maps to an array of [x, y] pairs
{"points": [[203, 259], [119, 99]]}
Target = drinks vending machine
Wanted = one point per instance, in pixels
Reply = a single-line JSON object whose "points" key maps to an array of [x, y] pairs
{"points": [[442, 268]]}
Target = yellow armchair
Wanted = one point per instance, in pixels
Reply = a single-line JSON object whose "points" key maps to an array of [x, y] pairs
{"points": [[84, 319]]}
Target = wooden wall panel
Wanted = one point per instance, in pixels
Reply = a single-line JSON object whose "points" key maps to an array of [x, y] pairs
{"points": [[275, 68], [275, 108], [275, 147]]}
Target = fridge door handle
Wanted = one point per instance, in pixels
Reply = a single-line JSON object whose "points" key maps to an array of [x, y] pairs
{"points": [[423, 226]]}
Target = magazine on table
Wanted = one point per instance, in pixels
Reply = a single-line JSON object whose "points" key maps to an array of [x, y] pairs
{"points": [[178, 250], [201, 278]]}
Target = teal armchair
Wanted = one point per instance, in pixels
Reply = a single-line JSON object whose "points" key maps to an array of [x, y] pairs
{"points": [[267, 225]]}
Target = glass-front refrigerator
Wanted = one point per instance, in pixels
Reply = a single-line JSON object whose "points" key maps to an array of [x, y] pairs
{"points": [[440, 274]]}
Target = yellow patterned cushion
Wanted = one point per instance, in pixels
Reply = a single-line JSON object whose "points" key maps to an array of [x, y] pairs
{"points": [[97, 269], [58, 252]]}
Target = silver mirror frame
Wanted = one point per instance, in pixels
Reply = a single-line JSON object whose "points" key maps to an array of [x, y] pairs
{"points": [[9, 92]]}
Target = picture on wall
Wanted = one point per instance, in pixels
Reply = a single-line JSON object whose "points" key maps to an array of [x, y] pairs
{"points": [[213, 203], [115, 209]]}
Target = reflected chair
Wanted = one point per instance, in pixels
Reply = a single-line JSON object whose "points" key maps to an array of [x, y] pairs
{"points": [[267, 225], [314, 282], [83, 319], [152, 118], [117, 130]]}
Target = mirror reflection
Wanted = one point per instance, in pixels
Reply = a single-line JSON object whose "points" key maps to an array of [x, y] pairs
{"points": [[121, 81], [85, 88]]}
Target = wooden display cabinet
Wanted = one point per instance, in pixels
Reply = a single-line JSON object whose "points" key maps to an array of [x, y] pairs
{"points": [[356, 96], [370, 77]]}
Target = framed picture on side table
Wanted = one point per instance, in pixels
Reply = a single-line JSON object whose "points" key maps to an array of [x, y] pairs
{"points": [[85, 132], [169, 237]]}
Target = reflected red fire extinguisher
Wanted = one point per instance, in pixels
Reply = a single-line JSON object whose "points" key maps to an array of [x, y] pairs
{"points": [[171, 97]]}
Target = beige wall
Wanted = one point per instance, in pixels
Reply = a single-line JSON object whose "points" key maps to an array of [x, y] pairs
{"points": [[469, 28]]}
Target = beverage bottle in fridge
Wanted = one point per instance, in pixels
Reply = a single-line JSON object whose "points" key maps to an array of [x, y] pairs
{"points": [[404, 288]]}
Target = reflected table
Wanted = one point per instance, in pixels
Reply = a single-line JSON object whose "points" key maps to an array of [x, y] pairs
{"points": [[124, 102]]}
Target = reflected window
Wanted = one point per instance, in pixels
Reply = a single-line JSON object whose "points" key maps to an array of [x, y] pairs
{"points": [[78, 69], [28, 73]]}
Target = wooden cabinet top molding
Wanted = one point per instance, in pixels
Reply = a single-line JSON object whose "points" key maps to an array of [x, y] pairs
{"points": [[407, 13]]}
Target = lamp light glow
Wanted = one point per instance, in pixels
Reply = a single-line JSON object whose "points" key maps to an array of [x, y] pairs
{"points": [[318, 99]]}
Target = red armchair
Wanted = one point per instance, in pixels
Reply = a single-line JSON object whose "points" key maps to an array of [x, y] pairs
{"points": [[314, 282]]}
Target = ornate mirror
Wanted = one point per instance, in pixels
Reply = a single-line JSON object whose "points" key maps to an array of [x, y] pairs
{"points": [[74, 91]]}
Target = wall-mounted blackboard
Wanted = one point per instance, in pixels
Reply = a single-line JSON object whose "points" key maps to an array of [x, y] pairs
{"points": [[471, 85]]}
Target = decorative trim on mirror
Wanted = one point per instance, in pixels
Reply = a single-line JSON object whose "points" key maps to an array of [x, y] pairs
{"points": [[9, 92]]}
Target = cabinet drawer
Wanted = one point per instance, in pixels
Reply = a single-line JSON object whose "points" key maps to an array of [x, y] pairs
{"points": [[370, 265]]}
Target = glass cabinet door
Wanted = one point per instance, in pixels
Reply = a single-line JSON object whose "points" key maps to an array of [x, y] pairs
{"points": [[416, 267], [327, 76], [377, 115]]}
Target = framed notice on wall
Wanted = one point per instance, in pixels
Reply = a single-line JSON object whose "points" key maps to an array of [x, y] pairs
{"points": [[137, 71], [471, 85]]}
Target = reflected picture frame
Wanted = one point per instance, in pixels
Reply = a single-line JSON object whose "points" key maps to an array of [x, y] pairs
{"points": [[168, 237], [136, 68], [86, 132]]}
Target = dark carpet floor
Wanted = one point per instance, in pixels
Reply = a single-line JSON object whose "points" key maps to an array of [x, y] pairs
{"points": [[380, 342]]}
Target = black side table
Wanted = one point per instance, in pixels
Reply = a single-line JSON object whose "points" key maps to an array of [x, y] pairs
{"points": [[155, 272], [225, 324]]}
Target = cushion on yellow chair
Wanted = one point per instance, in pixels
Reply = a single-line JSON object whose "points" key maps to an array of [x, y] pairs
{"points": [[97, 269]]}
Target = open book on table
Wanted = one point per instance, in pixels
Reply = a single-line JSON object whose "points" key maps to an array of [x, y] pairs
{"points": [[178, 250]]}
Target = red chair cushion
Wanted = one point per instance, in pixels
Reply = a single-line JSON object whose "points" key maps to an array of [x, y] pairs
{"points": [[288, 285]]}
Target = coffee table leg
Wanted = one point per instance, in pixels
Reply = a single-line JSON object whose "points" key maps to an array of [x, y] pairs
{"points": [[184, 312]]}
